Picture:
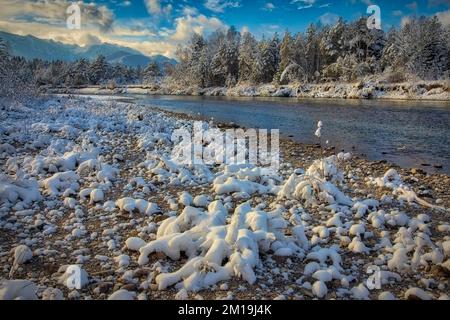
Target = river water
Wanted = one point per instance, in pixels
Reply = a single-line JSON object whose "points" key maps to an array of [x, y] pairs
{"points": [[410, 134]]}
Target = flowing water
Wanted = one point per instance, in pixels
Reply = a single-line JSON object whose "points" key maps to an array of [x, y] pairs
{"points": [[410, 134]]}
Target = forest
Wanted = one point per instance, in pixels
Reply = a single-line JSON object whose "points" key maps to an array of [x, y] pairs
{"points": [[344, 52]]}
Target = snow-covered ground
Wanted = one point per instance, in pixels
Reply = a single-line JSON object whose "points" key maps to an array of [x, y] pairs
{"points": [[370, 89], [89, 186]]}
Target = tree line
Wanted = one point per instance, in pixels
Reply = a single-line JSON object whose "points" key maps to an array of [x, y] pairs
{"points": [[341, 52], [419, 49]]}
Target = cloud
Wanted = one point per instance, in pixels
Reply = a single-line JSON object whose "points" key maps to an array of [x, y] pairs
{"points": [[54, 12], [188, 25], [46, 19], [245, 29], [154, 7], [444, 17], [219, 6], [329, 18], [125, 4], [303, 4], [269, 6]]}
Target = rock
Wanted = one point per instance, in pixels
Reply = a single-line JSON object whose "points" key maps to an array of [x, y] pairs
{"points": [[52, 294], [143, 272], [128, 287], [417, 171], [104, 287], [22, 254]]}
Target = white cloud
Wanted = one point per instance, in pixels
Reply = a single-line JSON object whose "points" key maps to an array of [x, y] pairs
{"points": [[188, 25], [303, 4], [219, 6], [154, 7], [269, 6], [125, 4], [329, 18], [54, 12], [444, 17], [46, 19]]}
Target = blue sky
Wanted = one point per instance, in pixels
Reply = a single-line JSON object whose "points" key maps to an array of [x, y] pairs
{"points": [[158, 26]]}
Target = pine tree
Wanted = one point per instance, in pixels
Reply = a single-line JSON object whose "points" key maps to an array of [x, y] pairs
{"points": [[267, 60], [151, 73], [247, 56], [98, 70], [434, 52], [312, 52], [287, 54]]}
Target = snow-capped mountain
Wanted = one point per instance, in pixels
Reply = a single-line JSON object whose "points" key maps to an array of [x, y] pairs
{"points": [[31, 47]]}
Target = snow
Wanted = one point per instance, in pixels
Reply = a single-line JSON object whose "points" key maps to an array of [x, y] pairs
{"points": [[187, 228], [122, 295], [69, 278], [360, 292], [135, 243], [319, 289], [185, 199], [201, 201], [417, 293], [130, 205], [386, 295], [97, 195], [399, 260], [18, 290], [22, 254]]}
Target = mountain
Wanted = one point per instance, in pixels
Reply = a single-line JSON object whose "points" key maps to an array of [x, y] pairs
{"points": [[31, 47]]}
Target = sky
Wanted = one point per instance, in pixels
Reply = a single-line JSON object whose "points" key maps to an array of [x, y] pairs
{"points": [[159, 26]]}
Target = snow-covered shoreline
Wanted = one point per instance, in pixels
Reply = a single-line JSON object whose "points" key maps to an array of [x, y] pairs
{"points": [[89, 183], [421, 90]]}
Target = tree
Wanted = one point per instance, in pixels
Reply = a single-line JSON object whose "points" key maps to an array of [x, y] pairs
{"points": [[151, 72], [98, 70], [423, 47], [287, 54], [267, 60], [78, 73], [435, 50], [312, 52], [247, 56]]}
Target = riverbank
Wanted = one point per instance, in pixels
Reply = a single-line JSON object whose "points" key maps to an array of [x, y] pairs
{"points": [[90, 183], [421, 90]]}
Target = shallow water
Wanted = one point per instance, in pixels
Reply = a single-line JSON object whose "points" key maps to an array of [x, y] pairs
{"points": [[410, 133]]}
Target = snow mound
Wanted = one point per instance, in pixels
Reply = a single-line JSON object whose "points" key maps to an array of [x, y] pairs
{"points": [[218, 251]]}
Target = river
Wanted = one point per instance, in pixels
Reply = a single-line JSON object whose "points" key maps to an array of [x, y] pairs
{"points": [[408, 133]]}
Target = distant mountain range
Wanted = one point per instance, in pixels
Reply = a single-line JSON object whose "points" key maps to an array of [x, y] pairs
{"points": [[31, 47]]}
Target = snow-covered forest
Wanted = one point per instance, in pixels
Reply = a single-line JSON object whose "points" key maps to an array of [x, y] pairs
{"points": [[36, 73], [345, 52]]}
